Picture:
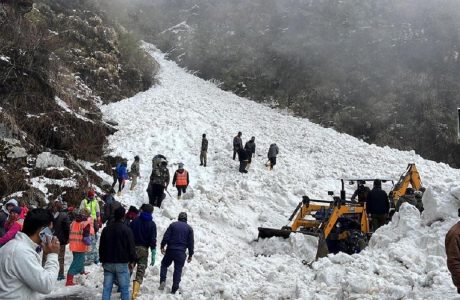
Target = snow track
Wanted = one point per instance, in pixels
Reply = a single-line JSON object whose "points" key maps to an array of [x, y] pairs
{"points": [[405, 260]]}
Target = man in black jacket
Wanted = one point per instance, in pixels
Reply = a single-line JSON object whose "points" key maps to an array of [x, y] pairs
{"points": [[116, 252], [243, 157], [145, 236], [377, 205], [177, 239], [250, 148], [110, 205], [61, 226]]}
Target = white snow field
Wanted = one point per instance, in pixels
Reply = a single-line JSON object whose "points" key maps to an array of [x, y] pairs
{"points": [[405, 259]]}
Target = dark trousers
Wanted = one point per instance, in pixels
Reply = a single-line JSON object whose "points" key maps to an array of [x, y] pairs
{"points": [[234, 153], [272, 162], [243, 165], [121, 184], [377, 220], [180, 190], [156, 194], [178, 257]]}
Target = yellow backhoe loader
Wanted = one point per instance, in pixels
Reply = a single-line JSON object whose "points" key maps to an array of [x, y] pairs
{"points": [[408, 189], [340, 225]]}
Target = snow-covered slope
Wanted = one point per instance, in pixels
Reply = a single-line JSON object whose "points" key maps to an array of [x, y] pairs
{"points": [[405, 259]]}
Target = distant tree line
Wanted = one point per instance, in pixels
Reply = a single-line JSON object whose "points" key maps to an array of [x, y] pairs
{"points": [[385, 71]]}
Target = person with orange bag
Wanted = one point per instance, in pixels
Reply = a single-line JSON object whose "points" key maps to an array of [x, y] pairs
{"points": [[79, 244]]}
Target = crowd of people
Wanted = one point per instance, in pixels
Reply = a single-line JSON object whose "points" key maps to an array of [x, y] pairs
{"points": [[101, 231], [32, 261]]}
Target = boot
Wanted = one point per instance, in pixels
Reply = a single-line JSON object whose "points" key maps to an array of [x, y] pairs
{"points": [[136, 287], [69, 281], [118, 194], [178, 197], [162, 285]]}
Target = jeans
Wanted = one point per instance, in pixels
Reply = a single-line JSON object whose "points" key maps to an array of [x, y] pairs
{"points": [[93, 255], [178, 257], [119, 272]]}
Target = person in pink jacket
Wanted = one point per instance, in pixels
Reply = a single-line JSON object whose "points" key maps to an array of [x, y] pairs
{"points": [[13, 225]]}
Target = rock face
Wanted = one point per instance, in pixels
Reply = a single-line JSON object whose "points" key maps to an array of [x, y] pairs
{"points": [[59, 60]]}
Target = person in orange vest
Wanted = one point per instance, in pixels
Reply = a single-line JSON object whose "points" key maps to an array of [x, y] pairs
{"points": [[181, 180], [79, 243]]}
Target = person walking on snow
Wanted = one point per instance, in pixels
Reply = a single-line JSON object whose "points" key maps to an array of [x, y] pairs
{"points": [[79, 243], [5, 213], [117, 252], [181, 180], [122, 173], [13, 225], [61, 226], [135, 172], [243, 157], [204, 151], [272, 154], [145, 235], [92, 205], [452, 245], [110, 205], [21, 273], [237, 144], [377, 205], [177, 238], [250, 148], [159, 181]]}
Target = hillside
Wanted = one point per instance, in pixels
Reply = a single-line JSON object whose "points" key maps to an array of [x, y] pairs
{"points": [[58, 61], [382, 71], [405, 259]]}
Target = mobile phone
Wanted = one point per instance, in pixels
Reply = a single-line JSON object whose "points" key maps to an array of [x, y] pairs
{"points": [[46, 234]]}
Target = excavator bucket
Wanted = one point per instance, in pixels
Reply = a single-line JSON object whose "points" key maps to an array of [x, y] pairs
{"points": [[322, 250], [265, 233]]}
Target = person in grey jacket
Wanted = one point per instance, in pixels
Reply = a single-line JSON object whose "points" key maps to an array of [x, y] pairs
{"points": [[204, 151], [135, 172], [272, 154], [237, 144]]}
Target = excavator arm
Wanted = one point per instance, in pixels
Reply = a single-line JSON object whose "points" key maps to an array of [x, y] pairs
{"points": [[410, 176]]}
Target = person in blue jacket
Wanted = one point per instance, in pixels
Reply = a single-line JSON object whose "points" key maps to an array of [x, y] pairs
{"points": [[122, 172], [145, 236], [177, 239]]}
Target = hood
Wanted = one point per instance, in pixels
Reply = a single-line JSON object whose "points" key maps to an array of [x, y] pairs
{"points": [[145, 216], [11, 201]]}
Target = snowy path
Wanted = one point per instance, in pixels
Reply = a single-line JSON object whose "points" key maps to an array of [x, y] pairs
{"points": [[405, 258]]}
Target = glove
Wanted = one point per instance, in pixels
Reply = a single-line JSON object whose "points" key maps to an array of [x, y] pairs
{"points": [[153, 255]]}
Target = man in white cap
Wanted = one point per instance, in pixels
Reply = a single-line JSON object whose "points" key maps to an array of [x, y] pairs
{"points": [[5, 213]]}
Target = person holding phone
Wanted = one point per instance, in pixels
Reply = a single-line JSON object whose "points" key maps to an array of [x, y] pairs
{"points": [[21, 273]]}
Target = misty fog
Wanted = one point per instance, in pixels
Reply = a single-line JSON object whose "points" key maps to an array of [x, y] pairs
{"points": [[384, 71]]}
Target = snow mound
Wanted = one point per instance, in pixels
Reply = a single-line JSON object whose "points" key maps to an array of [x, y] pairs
{"points": [[405, 259]]}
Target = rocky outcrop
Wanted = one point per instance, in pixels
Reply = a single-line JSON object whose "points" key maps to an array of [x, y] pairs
{"points": [[59, 60]]}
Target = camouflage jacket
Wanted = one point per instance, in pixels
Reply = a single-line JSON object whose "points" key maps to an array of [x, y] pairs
{"points": [[160, 175]]}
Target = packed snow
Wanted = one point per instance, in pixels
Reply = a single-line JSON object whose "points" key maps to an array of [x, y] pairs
{"points": [[405, 259]]}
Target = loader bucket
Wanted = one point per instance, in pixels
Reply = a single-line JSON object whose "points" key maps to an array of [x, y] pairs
{"points": [[322, 250], [265, 233]]}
